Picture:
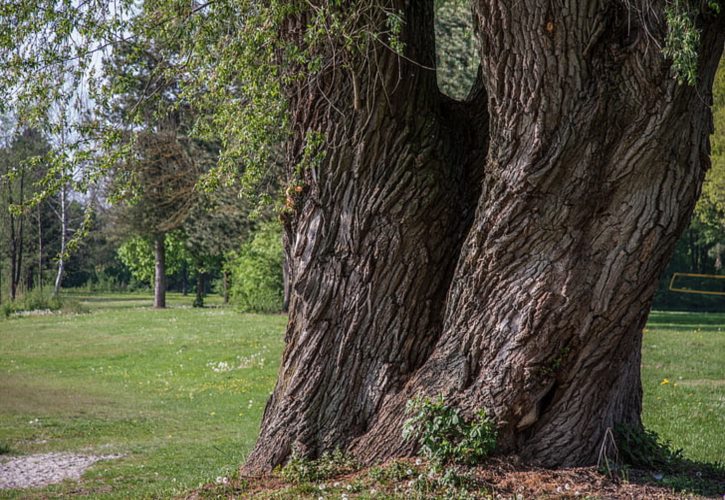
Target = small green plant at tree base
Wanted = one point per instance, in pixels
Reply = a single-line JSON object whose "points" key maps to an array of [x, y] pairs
{"points": [[300, 469], [445, 436]]}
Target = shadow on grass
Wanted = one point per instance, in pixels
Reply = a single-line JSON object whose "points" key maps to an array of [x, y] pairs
{"points": [[661, 320], [684, 476], [654, 462]]}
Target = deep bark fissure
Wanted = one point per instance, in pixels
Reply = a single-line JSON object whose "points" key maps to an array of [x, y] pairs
{"points": [[531, 304]]}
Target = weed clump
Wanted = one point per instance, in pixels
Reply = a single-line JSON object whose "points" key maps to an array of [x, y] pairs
{"points": [[36, 301], [644, 448], [300, 469], [445, 436]]}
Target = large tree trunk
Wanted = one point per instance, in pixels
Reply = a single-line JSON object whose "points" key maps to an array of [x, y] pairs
{"points": [[160, 271], [595, 161]]}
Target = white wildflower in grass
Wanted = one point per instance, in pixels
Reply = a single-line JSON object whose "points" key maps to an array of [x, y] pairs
{"points": [[219, 366], [255, 360]]}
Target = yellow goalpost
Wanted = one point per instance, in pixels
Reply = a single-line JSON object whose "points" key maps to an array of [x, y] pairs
{"points": [[690, 275]]}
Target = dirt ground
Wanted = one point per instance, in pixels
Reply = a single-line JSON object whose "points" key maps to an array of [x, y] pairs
{"points": [[498, 479]]}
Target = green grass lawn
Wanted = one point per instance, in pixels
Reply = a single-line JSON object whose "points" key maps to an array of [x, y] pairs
{"points": [[179, 393], [683, 374]]}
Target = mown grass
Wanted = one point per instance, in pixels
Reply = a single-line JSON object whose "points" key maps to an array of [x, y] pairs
{"points": [[179, 393], [683, 374]]}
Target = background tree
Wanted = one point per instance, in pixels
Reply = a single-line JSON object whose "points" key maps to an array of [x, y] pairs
{"points": [[22, 167], [217, 226], [138, 255], [164, 163], [257, 281]]}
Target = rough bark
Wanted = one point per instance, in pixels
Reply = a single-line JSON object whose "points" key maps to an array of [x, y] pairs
{"points": [[595, 160], [159, 272]]}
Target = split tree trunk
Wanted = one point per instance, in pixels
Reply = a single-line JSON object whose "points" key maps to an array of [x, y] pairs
{"points": [[159, 272], [595, 161]]}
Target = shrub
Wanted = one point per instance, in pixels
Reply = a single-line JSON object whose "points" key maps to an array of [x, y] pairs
{"points": [[445, 436], [257, 284], [36, 300]]}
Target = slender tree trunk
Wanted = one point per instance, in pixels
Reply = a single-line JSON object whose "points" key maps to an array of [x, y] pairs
{"points": [[29, 278], [534, 310], [13, 258], [63, 216], [200, 285], [160, 272], [40, 250], [225, 282], [17, 223], [185, 280]]}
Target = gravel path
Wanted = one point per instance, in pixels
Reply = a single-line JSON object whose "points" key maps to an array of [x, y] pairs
{"points": [[48, 468]]}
